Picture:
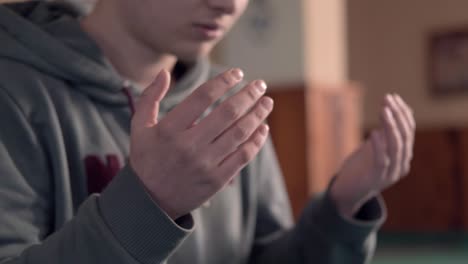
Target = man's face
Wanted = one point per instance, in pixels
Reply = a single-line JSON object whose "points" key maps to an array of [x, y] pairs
{"points": [[187, 29]]}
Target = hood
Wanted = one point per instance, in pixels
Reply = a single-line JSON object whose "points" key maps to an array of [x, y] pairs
{"points": [[48, 37]]}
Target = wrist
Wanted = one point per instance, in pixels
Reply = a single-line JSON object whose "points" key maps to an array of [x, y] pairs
{"points": [[156, 196], [166, 208], [348, 202]]}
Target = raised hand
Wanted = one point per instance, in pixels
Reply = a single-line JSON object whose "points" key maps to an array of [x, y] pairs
{"points": [[380, 162], [182, 162]]}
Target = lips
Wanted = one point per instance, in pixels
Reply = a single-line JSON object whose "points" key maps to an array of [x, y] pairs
{"points": [[208, 30], [209, 26]]}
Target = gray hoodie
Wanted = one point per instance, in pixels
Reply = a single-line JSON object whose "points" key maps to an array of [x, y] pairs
{"points": [[64, 135]]}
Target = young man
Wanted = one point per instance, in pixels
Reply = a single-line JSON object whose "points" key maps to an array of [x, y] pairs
{"points": [[199, 186]]}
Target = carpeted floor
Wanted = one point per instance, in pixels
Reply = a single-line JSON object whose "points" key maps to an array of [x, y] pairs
{"points": [[421, 256], [406, 248]]}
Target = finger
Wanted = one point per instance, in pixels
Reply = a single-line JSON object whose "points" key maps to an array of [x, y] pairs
{"points": [[405, 119], [241, 131], [404, 131], [408, 113], [147, 107], [189, 110], [229, 111], [244, 154], [410, 118], [393, 139]]}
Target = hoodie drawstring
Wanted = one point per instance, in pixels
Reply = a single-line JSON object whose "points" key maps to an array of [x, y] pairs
{"points": [[130, 100]]}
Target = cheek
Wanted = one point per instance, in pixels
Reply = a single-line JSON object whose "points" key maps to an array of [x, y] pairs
{"points": [[156, 22], [160, 13], [241, 6]]}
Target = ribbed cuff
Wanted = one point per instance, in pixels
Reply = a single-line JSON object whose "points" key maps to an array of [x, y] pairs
{"points": [[323, 215], [139, 225]]}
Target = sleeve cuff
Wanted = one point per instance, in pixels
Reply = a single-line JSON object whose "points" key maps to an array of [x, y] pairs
{"points": [[137, 222], [323, 215]]}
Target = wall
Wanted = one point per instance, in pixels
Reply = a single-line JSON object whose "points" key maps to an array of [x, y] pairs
{"points": [[290, 42], [387, 53], [273, 51], [325, 42]]}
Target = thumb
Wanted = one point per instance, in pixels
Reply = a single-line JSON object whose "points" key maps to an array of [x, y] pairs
{"points": [[158, 89], [147, 108]]}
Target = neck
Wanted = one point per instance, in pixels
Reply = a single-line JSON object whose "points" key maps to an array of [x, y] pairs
{"points": [[133, 59]]}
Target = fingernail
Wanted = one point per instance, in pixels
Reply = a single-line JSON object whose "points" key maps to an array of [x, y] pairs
{"points": [[264, 129], [155, 83], [261, 86], [267, 102], [237, 74], [398, 97], [388, 111], [159, 77]]}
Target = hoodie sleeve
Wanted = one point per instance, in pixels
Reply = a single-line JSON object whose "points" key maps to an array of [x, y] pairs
{"points": [[122, 225], [321, 236]]}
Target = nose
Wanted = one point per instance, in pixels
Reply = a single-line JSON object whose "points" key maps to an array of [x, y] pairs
{"points": [[223, 6]]}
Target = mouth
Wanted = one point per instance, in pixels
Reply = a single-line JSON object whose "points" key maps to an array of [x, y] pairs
{"points": [[208, 30]]}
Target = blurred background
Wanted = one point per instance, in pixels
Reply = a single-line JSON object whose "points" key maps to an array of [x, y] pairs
{"points": [[329, 64]]}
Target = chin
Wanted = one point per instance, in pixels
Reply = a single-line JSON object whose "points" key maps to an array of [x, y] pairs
{"points": [[194, 53]]}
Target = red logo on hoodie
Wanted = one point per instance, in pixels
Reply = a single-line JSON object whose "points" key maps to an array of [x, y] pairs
{"points": [[100, 173]]}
